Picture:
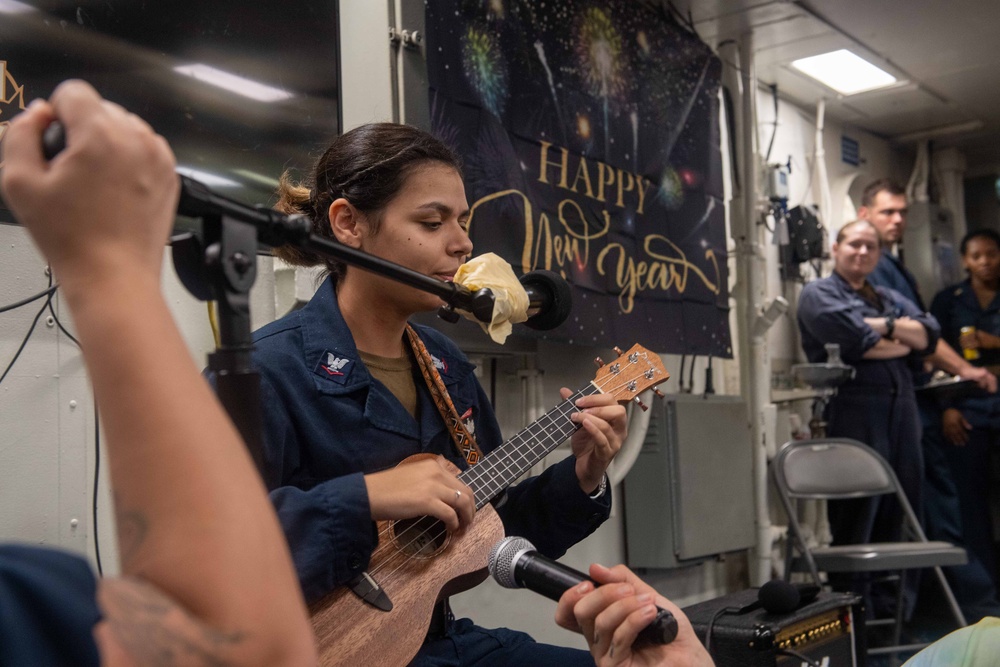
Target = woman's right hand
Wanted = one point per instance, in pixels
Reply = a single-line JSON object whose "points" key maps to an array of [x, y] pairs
{"points": [[955, 427], [427, 487]]}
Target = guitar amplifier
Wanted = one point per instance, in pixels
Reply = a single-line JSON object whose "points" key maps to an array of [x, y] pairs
{"points": [[828, 631]]}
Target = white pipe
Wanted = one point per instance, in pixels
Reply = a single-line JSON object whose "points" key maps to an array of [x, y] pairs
{"points": [[825, 198], [916, 188], [755, 376], [638, 425]]}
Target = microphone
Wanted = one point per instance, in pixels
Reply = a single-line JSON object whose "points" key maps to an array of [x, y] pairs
{"points": [[781, 597], [550, 299], [776, 597], [515, 563]]}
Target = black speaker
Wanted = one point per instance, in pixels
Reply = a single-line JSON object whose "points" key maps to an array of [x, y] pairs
{"points": [[828, 632]]}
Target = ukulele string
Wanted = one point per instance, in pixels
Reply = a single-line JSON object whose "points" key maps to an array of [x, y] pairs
{"points": [[479, 473], [434, 532]]}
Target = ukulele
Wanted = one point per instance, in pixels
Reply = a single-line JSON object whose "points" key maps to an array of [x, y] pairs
{"points": [[386, 611]]}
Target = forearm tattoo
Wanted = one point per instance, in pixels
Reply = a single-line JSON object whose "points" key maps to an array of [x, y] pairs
{"points": [[154, 630]]}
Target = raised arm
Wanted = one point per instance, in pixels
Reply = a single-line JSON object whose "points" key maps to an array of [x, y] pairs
{"points": [[207, 575]]}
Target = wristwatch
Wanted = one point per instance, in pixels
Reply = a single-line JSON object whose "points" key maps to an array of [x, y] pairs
{"points": [[890, 325], [601, 488]]}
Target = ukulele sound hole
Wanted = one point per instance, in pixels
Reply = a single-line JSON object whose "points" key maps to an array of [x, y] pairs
{"points": [[422, 537]]}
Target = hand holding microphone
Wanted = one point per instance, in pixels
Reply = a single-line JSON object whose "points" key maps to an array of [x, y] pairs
{"points": [[623, 619]]}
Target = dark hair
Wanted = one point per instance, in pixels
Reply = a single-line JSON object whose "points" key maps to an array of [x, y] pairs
{"points": [[987, 234], [843, 230], [881, 185], [367, 166]]}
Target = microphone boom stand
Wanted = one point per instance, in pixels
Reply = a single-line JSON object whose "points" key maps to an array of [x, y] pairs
{"points": [[220, 265]]}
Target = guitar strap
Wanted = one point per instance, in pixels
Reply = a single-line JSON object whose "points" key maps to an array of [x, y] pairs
{"points": [[464, 442]]}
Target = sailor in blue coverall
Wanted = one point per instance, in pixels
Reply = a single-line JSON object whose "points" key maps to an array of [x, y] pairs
{"points": [[334, 430], [970, 426], [878, 330]]}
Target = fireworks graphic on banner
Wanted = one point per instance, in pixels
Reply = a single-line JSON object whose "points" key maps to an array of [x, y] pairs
{"points": [[671, 190], [599, 53], [589, 134], [485, 69]]}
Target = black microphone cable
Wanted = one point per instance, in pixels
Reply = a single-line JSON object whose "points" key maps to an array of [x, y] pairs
{"points": [[24, 302], [711, 625], [48, 299]]}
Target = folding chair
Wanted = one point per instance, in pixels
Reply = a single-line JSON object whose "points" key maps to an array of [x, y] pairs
{"points": [[840, 468]]}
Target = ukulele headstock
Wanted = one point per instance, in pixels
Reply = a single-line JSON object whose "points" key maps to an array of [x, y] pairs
{"points": [[632, 373]]}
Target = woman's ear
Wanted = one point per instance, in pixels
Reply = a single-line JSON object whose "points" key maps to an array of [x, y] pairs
{"points": [[344, 222]]}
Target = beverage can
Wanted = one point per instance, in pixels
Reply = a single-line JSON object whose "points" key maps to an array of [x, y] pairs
{"points": [[970, 353]]}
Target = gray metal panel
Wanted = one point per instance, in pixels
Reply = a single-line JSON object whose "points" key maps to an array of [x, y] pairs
{"points": [[648, 528], [690, 494], [714, 512]]}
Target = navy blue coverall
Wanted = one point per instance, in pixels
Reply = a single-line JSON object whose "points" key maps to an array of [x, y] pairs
{"points": [[942, 517], [327, 423], [956, 307], [878, 407]]}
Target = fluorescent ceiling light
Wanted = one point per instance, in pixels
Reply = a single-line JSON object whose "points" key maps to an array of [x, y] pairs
{"points": [[207, 177], [845, 72], [15, 7], [258, 178], [232, 83]]}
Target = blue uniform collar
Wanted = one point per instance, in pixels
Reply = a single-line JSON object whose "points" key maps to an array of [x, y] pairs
{"points": [[963, 292], [330, 353], [846, 286]]}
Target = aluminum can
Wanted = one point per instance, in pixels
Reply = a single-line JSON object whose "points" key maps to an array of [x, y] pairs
{"points": [[970, 353]]}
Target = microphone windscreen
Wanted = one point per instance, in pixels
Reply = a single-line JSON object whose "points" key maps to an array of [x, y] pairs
{"points": [[557, 299], [779, 597]]}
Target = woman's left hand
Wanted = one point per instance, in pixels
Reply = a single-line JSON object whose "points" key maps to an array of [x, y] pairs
{"points": [[602, 428]]}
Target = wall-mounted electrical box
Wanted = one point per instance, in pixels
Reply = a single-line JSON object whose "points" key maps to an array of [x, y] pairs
{"points": [[689, 496]]}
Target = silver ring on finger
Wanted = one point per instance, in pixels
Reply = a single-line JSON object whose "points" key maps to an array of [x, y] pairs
{"points": [[458, 495]]}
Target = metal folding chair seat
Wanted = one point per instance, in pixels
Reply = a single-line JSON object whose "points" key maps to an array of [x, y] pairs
{"points": [[838, 469]]}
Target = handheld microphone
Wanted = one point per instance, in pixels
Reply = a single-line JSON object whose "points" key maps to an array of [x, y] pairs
{"points": [[515, 563]]}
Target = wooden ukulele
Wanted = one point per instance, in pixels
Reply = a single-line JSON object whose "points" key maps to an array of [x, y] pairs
{"points": [[386, 611]]}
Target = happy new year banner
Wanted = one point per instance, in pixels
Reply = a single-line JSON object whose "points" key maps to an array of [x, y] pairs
{"points": [[590, 140]]}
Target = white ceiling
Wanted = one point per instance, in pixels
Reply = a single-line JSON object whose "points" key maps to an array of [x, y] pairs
{"points": [[948, 52]]}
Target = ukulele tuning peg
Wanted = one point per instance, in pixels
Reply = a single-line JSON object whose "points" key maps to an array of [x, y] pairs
{"points": [[618, 350], [658, 392], [598, 362], [640, 404]]}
